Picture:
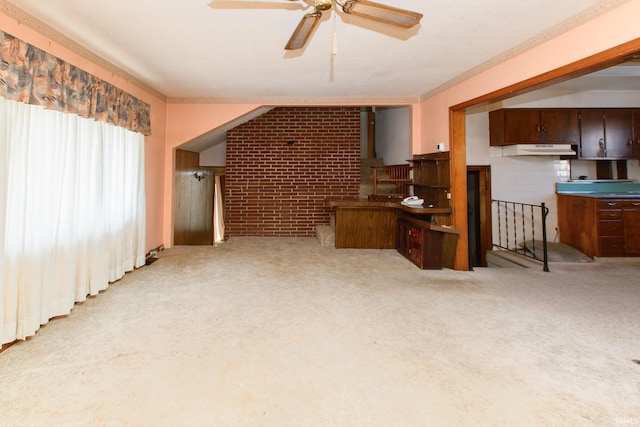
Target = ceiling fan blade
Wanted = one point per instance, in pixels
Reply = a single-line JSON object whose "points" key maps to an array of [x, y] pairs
{"points": [[303, 31], [381, 13]]}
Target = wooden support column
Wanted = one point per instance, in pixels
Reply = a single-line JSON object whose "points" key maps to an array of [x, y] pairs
{"points": [[371, 133], [458, 153]]}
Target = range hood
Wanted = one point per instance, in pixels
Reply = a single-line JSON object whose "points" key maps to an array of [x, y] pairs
{"points": [[538, 150]]}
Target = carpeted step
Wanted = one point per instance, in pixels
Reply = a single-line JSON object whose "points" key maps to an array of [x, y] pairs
{"points": [[326, 235], [508, 259]]}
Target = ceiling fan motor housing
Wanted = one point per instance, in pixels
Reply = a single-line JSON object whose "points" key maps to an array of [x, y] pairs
{"points": [[324, 4]]}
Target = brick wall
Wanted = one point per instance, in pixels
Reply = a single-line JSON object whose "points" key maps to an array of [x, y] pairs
{"points": [[282, 166]]}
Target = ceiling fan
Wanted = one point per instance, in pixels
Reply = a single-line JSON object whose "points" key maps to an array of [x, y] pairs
{"points": [[363, 8]]}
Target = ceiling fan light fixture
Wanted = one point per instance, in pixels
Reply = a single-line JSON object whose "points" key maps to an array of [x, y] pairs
{"points": [[381, 13]]}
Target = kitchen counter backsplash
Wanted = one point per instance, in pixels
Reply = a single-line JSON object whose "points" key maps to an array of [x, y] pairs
{"points": [[599, 188]]}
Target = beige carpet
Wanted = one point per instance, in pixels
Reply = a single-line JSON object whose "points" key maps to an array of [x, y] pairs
{"points": [[285, 332]]}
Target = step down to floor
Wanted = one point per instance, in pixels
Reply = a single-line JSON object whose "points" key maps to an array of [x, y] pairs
{"points": [[326, 235], [508, 259]]}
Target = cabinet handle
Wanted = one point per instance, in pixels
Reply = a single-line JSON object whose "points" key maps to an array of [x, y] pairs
{"points": [[630, 141], [603, 147]]}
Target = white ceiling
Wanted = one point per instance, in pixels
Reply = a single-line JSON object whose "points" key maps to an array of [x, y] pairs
{"points": [[222, 49]]}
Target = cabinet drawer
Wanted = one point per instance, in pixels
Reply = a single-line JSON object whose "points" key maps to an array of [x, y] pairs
{"points": [[610, 214], [611, 246], [631, 204], [610, 228], [610, 204]]}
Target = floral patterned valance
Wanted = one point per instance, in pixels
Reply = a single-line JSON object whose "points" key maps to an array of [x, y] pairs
{"points": [[31, 75]]}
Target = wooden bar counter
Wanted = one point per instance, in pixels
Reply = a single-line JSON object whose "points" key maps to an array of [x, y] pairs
{"points": [[373, 224]]}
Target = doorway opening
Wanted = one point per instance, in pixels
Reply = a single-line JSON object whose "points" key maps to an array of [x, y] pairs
{"points": [[198, 201], [479, 214]]}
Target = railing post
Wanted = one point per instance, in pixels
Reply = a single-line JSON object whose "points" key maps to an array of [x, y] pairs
{"points": [[533, 231], [499, 224], [515, 227], [545, 212]]}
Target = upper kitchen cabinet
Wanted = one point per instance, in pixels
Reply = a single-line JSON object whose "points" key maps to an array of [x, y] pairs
{"points": [[534, 126], [636, 132], [606, 133]]}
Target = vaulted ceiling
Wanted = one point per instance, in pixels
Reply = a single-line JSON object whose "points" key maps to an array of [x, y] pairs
{"points": [[234, 49]]}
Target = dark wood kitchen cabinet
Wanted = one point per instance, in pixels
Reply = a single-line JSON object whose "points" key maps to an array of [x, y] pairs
{"points": [[610, 226], [631, 223], [604, 227], [535, 126], [636, 132], [606, 133]]}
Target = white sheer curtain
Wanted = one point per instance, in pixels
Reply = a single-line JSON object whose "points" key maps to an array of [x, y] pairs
{"points": [[72, 212], [218, 211]]}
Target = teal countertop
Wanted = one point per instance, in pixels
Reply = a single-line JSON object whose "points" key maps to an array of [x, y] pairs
{"points": [[610, 189]]}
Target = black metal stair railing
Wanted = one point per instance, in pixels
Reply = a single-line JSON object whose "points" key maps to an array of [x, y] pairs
{"points": [[517, 229]]}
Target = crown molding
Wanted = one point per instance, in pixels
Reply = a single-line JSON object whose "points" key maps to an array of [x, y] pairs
{"points": [[35, 24], [593, 12], [301, 101]]}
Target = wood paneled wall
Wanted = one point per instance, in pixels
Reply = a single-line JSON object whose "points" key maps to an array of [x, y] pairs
{"points": [[193, 201]]}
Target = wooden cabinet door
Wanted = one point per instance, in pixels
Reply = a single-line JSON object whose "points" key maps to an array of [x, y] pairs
{"points": [[415, 245], [636, 132], [193, 201], [618, 132], [559, 126], [522, 126], [631, 218], [591, 134], [402, 238]]}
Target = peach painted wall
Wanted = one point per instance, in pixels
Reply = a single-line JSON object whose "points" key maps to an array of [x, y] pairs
{"points": [[154, 144], [187, 122], [604, 32]]}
